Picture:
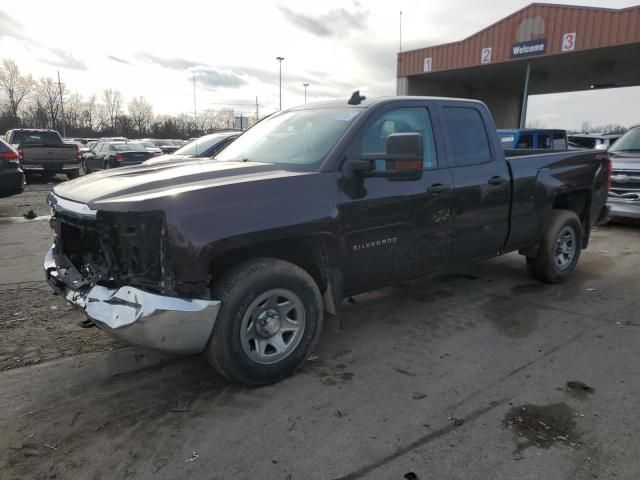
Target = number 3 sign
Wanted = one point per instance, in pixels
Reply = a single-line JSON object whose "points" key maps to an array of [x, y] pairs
{"points": [[569, 42]]}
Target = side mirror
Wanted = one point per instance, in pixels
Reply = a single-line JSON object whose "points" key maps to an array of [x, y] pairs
{"points": [[403, 159]]}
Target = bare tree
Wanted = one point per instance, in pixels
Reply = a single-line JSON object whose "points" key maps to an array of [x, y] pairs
{"points": [[113, 103], [73, 107], [49, 96], [90, 113], [141, 113], [14, 86]]}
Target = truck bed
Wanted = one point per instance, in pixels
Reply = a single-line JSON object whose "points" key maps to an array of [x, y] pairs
{"points": [[534, 174]]}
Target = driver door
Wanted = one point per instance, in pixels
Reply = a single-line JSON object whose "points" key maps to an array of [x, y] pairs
{"points": [[395, 229]]}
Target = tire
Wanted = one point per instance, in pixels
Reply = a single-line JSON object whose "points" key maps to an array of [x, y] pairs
{"points": [[246, 293], [73, 174], [559, 250], [84, 168], [105, 165]]}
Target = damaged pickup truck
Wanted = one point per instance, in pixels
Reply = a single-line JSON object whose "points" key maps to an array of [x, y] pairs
{"points": [[239, 257]]}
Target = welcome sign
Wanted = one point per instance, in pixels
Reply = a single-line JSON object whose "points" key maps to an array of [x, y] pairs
{"points": [[527, 49]]}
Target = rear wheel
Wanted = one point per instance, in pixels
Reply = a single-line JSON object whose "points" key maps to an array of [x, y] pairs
{"points": [[73, 174], [269, 319], [84, 168], [559, 250]]}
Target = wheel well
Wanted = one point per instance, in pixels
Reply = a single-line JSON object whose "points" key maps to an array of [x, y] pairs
{"points": [[577, 202], [307, 253], [580, 203]]}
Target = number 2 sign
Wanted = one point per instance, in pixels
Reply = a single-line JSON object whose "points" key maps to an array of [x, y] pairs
{"points": [[485, 57], [569, 42]]}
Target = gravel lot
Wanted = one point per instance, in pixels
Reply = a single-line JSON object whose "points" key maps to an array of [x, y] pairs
{"points": [[478, 374]]}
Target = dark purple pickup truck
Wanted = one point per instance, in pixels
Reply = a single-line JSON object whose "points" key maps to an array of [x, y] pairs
{"points": [[239, 257]]}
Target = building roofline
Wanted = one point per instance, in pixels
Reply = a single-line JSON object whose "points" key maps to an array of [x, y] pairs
{"points": [[517, 12]]}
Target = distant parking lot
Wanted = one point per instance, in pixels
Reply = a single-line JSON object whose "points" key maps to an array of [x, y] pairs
{"points": [[481, 373]]}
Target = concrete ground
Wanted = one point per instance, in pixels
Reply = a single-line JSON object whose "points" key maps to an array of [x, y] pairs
{"points": [[480, 374]]}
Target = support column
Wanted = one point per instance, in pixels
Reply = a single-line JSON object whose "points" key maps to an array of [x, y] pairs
{"points": [[525, 98]]}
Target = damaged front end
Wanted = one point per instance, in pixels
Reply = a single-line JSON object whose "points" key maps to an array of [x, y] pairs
{"points": [[116, 266]]}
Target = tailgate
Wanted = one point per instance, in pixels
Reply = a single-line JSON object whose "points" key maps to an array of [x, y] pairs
{"points": [[49, 154]]}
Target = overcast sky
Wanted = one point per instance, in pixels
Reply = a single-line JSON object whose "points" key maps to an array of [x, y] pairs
{"points": [[155, 48]]}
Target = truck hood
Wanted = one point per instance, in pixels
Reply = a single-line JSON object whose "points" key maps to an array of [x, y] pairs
{"points": [[139, 183], [625, 160]]}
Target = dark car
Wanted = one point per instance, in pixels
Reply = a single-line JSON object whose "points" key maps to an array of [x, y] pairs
{"points": [[167, 146], [204, 147], [105, 155], [624, 197], [12, 179], [238, 258]]}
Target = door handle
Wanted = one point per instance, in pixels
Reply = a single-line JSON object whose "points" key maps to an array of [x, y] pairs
{"points": [[497, 180], [438, 188]]}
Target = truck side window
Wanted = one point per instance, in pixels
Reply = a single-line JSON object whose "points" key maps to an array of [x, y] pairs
{"points": [[400, 120], [559, 141], [525, 142], [469, 140], [545, 142]]}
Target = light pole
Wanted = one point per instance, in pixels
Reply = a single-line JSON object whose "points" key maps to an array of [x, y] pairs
{"points": [[280, 59], [305, 85]]}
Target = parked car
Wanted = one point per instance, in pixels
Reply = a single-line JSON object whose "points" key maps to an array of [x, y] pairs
{"points": [[151, 148], [533, 139], [236, 258], [105, 155], [113, 139], [167, 146], [82, 147], [207, 146], [44, 152], [624, 197], [594, 141], [12, 179]]}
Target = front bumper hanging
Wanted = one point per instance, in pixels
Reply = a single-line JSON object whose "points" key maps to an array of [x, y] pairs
{"points": [[172, 324]]}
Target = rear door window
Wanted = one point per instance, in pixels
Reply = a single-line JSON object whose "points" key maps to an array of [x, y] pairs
{"points": [[469, 139], [559, 141], [544, 142], [525, 142]]}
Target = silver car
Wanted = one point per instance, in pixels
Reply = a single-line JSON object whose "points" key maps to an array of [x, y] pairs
{"points": [[624, 196]]}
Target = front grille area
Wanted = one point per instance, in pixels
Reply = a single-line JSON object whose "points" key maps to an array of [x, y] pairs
{"points": [[625, 185], [117, 248]]}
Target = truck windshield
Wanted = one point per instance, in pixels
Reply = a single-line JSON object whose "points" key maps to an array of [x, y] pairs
{"points": [[296, 139], [629, 142]]}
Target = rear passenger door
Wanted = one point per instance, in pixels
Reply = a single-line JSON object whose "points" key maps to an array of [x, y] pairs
{"points": [[481, 183]]}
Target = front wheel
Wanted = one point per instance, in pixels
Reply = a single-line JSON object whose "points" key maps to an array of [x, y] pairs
{"points": [[269, 319], [73, 174], [559, 250]]}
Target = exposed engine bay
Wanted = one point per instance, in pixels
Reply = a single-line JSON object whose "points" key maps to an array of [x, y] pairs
{"points": [[115, 249]]}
